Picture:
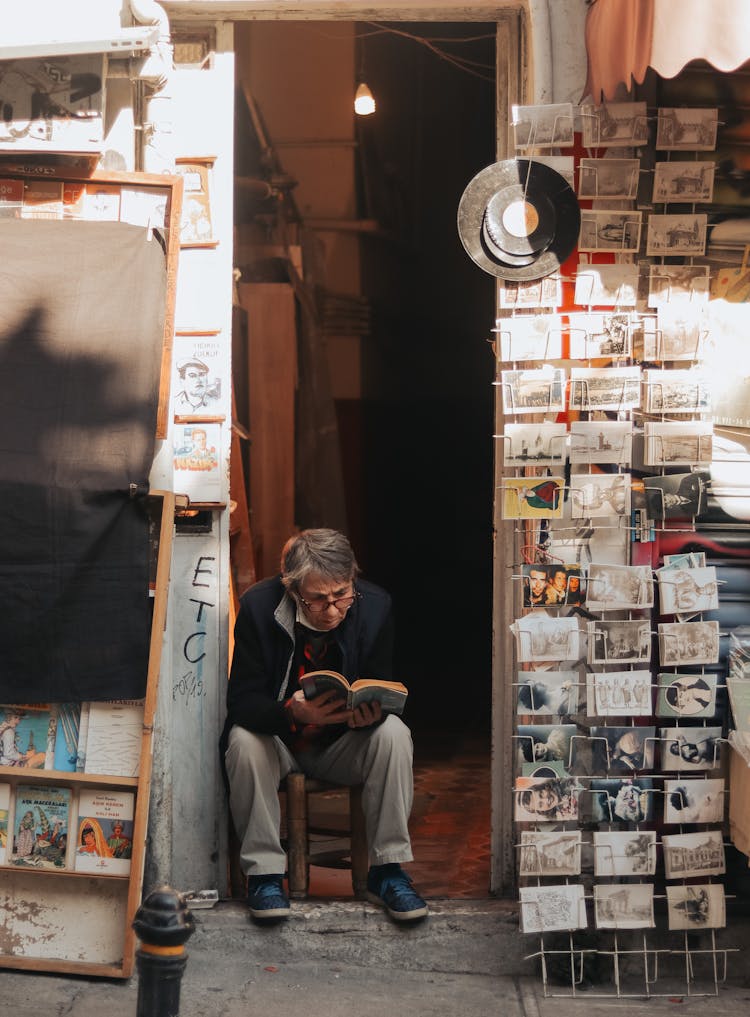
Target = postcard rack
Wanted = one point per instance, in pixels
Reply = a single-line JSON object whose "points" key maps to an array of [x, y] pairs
{"points": [[619, 790]]}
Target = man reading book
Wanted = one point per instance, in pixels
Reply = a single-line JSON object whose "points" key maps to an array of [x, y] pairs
{"points": [[316, 615]]}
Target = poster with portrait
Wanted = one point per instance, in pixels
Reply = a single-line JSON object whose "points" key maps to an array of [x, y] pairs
{"points": [[196, 460], [197, 367]]}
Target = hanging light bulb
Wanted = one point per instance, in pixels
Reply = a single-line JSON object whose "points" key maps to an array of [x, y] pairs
{"points": [[364, 103]]}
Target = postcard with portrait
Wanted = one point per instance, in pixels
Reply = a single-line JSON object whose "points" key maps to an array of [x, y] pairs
{"points": [[533, 497], [675, 236], [619, 641], [676, 495], [696, 906], [680, 333], [601, 441], [610, 230], [619, 587], [694, 800], [686, 129], [627, 800], [683, 182], [605, 388], [606, 285], [599, 334], [623, 749], [529, 337], [536, 390], [688, 643], [673, 283], [690, 748], [550, 854], [599, 495], [544, 743], [686, 695], [545, 126], [547, 693], [615, 124], [678, 443], [552, 908], [546, 292], [550, 800], [608, 178], [678, 391], [688, 591], [693, 854], [624, 905], [534, 444], [552, 585], [622, 693], [624, 852], [543, 637]]}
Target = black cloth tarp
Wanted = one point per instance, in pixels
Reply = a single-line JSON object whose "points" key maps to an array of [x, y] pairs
{"points": [[82, 308]]}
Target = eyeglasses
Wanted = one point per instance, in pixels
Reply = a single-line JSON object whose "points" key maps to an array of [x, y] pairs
{"points": [[323, 603]]}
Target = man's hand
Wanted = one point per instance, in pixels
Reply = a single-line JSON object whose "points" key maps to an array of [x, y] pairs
{"points": [[366, 714], [327, 708]]}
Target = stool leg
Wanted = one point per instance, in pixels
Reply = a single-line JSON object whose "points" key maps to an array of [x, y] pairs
{"points": [[359, 853], [297, 847]]}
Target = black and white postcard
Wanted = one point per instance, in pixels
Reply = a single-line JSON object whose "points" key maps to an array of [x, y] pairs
{"points": [[624, 905], [686, 695], [606, 388], [601, 441], [619, 587], [686, 129], [545, 293], [693, 854], [606, 285], [676, 495], [620, 693], [627, 800], [683, 182], [548, 693], [533, 497], [624, 852], [688, 642], [544, 743], [599, 334], [673, 236], [599, 495], [544, 637], [529, 337], [623, 749], [534, 444], [619, 641], [687, 591], [552, 585], [696, 906], [678, 391], [679, 332], [615, 124], [552, 908], [690, 748], [678, 443], [536, 390], [610, 230], [694, 800], [546, 126], [549, 800], [668, 283], [608, 178], [550, 854]]}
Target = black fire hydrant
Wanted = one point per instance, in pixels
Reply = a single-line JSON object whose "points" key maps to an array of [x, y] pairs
{"points": [[163, 924]]}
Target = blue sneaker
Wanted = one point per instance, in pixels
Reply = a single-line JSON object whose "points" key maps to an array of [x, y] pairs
{"points": [[266, 897], [389, 886]]}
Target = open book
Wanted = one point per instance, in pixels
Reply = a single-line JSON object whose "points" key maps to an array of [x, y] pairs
{"points": [[390, 695]]}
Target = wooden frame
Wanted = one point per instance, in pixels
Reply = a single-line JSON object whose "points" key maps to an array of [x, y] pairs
{"points": [[117, 898], [145, 187]]}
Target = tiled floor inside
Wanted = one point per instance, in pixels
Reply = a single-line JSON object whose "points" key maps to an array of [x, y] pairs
{"points": [[450, 824]]}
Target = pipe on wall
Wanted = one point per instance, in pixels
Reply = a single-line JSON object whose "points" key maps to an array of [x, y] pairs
{"points": [[155, 71]]}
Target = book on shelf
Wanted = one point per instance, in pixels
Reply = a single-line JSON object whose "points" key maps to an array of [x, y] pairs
{"points": [[4, 809], [68, 717], [104, 841], [83, 737], [27, 735], [40, 826], [391, 695], [113, 742]]}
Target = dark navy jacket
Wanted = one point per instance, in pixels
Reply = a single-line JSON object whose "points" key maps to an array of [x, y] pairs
{"points": [[264, 651]]}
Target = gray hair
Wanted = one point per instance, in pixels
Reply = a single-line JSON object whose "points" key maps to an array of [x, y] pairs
{"points": [[323, 552]]}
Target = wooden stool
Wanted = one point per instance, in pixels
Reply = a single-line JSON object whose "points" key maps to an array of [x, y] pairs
{"points": [[300, 827]]}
